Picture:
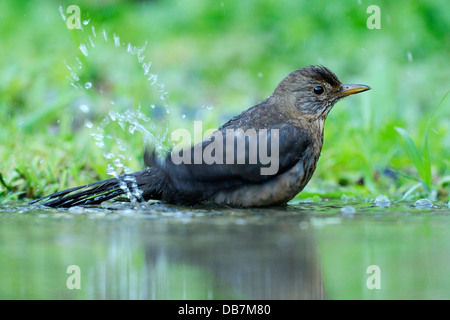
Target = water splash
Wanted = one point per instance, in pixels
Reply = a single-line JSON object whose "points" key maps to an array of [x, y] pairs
{"points": [[104, 35], [61, 11], [116, 40], [131, 120], [91, 41], [88, 124], [83, 49]]}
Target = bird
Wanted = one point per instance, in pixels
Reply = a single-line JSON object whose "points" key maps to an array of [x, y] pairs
{"points": [[289, 123]]}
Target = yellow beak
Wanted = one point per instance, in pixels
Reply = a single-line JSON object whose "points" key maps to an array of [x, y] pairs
{"points": [[353, 88]]}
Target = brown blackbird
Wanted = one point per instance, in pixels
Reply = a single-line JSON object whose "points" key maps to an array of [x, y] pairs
{"points": [[293, 118]]}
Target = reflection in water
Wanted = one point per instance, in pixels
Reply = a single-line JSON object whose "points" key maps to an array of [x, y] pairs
{"points": [[239, 261], [306, 251], [199, 254]]}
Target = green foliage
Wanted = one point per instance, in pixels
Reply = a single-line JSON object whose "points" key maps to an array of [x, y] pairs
{"points": [[421, 160], [228, 55]]}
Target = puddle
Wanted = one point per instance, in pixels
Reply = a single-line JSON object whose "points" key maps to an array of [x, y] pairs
{"points": [[309, 250]]}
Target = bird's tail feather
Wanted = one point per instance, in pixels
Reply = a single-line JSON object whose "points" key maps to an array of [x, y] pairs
{"points": [[97, 192]]}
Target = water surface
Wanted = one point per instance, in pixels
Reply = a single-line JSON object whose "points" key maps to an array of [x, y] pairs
{"points": [[309, 250]]}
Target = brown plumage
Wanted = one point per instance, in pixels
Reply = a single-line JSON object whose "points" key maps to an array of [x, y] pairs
{"points": [[296, 111]]}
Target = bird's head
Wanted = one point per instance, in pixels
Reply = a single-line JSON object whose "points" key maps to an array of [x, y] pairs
{"points": [[315, 89]]}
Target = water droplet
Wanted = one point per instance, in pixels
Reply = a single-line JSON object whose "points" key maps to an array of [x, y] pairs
{"points": [[84, 108], [146, 67], [153, 78], [97, 136], [74, 76], [103, 123], [123, 185], [62, 13], [183, 116], [117, 163], [112, 102], [209, 107], [67, 66], [382, 201], [88, 124], [85, 22], [110, 170], [410, 56], [152, 106], [88, 85], [109, 155], [127, 170], [347, 210], [100, 144], [116, 40], [91, 42], [80, 65], [104, 35], [423, 204], [93, 32], [83, 49], [137, 192], [129, 178], [112, 115]]}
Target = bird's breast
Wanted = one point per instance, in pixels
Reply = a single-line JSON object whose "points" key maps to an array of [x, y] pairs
{"points": [[285, 186], [277, 191]]}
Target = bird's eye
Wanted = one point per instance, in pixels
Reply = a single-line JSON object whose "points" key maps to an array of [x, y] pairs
{"points": [[318, 90]]}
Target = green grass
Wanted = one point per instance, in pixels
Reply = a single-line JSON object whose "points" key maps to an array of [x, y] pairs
{"points": [[229, 55], [420, 159]]}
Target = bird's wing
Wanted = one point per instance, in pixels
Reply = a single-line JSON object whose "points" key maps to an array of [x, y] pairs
{"points": [[284, 145]]}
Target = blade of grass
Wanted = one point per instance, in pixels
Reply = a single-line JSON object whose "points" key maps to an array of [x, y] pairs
{"points": [[422, 161], [3, 183], [415, 156], [407, 176], [426, 151], [411, 190]]}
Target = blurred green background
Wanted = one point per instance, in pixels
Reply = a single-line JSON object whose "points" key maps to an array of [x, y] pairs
{"points": [[214, 59]]}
